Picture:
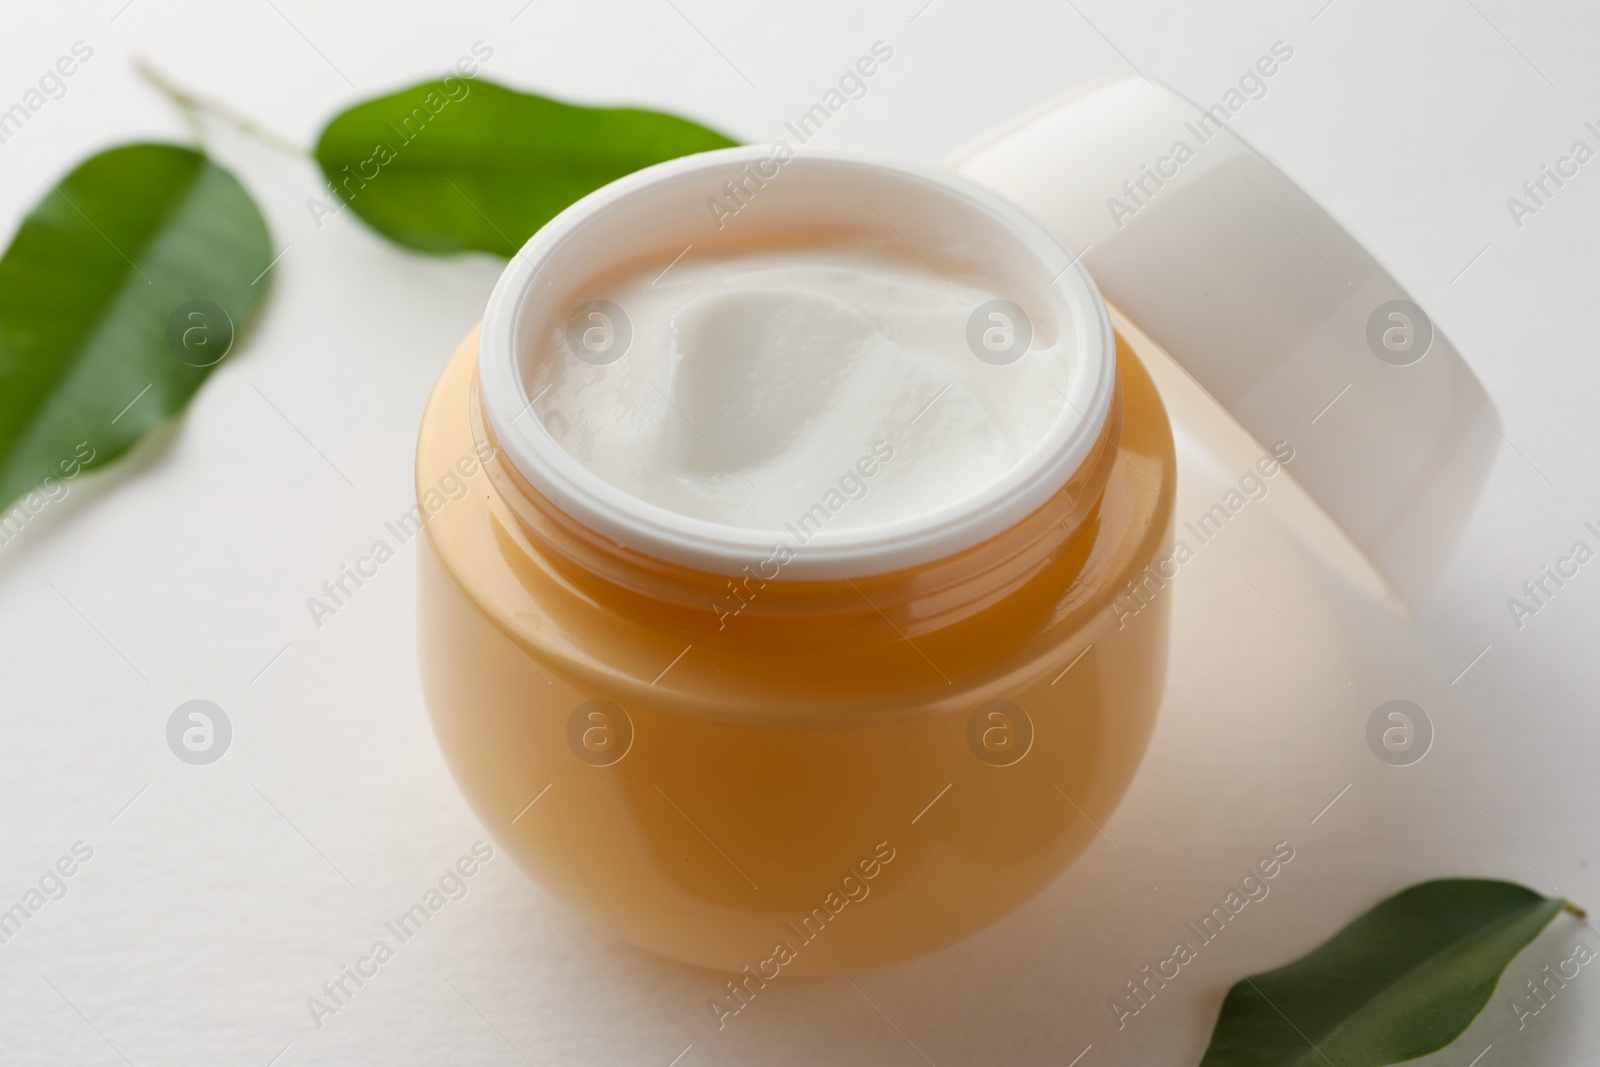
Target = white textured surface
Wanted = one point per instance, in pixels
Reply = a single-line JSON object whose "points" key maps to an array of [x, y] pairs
{"points": [[207, 916]]}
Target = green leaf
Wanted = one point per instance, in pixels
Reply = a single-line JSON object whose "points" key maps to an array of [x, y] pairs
{"points": [[453, 165], [115, 301], [1401, 981]]}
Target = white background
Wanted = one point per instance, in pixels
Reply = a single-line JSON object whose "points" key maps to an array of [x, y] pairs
{"points": [[223, 896]]}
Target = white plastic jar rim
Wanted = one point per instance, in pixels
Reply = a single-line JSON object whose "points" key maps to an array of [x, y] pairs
{"points": [[523, 298]]}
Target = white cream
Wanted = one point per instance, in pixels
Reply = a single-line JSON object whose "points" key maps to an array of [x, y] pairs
{"points": [[760, 382]]}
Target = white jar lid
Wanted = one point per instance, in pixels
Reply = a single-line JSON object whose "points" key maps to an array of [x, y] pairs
{"points": [[664, 208], [1270, 304]]}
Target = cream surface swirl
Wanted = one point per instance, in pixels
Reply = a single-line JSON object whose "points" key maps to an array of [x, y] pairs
{"points": [[759, 384]]}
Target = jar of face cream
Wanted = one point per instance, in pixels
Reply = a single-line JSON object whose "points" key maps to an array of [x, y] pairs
{"points": [[782, 614], [785, 629]]}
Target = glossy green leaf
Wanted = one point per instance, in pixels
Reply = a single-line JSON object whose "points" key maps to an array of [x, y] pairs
{"points": [[453, 165], [1401, 981], [124, 287]]}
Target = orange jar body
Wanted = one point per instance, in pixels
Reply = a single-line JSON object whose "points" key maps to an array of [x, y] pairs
{"points": [[794, 777]]}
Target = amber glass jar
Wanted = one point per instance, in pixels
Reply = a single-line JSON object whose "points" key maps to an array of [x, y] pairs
{"points": [[855, 769]]}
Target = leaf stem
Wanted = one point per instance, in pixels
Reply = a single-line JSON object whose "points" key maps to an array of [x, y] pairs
{"points": [[1569, 906], [193, 105]]}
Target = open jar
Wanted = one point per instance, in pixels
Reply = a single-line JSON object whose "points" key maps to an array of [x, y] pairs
{"points": [[903, 730]]}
